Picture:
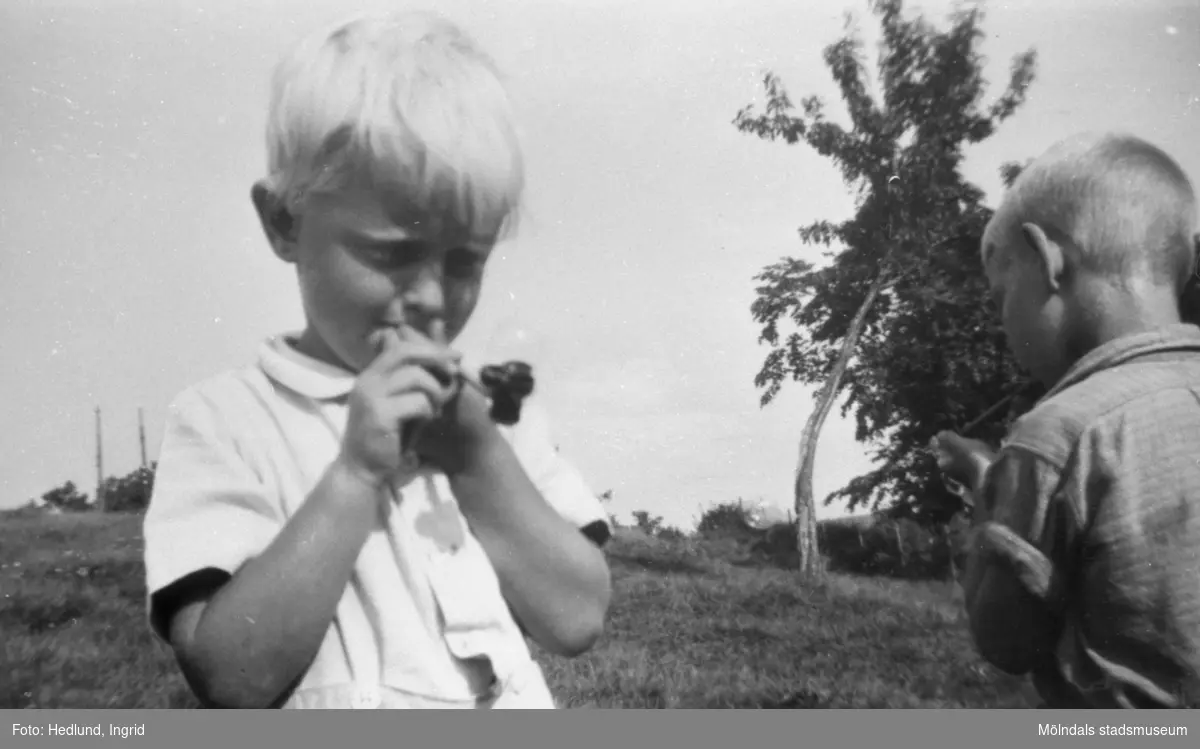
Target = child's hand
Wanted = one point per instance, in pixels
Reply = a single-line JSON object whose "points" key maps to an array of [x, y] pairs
{"points": [[450, 442], [405, 387], [963, 459]]}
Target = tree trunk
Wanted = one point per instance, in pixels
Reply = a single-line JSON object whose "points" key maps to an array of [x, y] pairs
{"points": [[900, 548], [806, 514], [948, 531]]}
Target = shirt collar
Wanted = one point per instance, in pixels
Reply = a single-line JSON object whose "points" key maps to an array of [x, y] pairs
{"points": [[285, 365], [1179, 337], [282, 362]]}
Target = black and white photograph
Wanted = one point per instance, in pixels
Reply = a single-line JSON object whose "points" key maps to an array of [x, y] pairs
{"points": [[591, 355]]}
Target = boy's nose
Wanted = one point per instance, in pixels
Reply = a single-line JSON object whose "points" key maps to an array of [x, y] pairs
{"points": [[424, 291], [421, 299]]}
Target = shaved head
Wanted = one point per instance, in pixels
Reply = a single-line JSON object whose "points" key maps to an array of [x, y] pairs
{"points": [[1121, 208]]}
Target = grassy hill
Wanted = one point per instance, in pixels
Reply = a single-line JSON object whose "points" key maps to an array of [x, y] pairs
{"points": [[694, 624]]}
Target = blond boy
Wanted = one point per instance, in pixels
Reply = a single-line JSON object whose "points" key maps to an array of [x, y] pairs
{"points": [[341, 524]]}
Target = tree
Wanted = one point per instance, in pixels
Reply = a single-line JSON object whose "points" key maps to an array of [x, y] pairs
{"points": [[67, 498], [130, 493], [943, 362], [904, 260], [650, 525]]}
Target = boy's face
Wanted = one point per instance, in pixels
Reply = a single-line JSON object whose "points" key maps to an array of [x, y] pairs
{"points": [[1030, 311], [362, 270]]}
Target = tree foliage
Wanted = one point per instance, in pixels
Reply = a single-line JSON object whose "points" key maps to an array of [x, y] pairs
{"points": [[67, 498], [931, 354], [129, 493]]}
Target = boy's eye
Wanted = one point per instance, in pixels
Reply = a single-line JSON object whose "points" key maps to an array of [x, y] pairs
{"points": [[378, 254], [463, 263], [389, 255], [459, 263]]}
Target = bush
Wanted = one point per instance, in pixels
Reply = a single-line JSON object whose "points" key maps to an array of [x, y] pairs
{"points": [[725, 518], [778, 545], [129, 493], [646, 524], [874, 545], [67, 498], [655, 528], [670, 533], [889, 547]]}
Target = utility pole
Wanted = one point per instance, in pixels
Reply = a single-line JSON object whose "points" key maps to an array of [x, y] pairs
{"points": [[142, 435], [99, 464]]}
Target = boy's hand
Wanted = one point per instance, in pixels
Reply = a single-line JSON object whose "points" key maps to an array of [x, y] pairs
{"points": [[451, 441], [406, 386], [961, 458]]}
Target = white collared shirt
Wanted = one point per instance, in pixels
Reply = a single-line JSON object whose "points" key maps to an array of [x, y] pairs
{"points": [[243, 450]]}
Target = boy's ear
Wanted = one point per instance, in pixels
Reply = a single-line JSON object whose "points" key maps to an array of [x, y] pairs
{"points": [[1049, 253], [277, 221]]}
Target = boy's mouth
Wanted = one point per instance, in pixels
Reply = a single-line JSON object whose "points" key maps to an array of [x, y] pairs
{"points": [[435, 330]]}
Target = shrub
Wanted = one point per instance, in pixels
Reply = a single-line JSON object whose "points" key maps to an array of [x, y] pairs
{"points": [[725, 517], [670, 533], [891, 547], [129, 493], [67, 498], [646, 524]]}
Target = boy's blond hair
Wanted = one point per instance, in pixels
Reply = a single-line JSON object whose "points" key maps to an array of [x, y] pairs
{"points": [[1126, 206], [405, 104]]}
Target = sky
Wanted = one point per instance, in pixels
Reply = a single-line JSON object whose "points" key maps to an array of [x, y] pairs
{"points": [[132, 264]]}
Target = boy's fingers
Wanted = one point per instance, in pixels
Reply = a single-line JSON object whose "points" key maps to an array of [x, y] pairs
{"points": [[435, 342], [950, 443], [417, 379], [445, 361], [403, 346], [949, 451], [387, 345], [410, 409], [437, 332], [938, 446]]}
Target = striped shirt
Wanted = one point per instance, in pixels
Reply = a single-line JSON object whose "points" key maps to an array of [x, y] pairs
{"points": [[1085, 560]]}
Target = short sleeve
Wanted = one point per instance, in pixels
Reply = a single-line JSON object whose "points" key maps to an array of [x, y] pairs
{"points": [[208, 509], [559, 482]]}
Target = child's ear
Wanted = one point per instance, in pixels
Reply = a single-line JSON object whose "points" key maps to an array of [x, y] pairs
{"points": [[1049, 253], [277, 221]]}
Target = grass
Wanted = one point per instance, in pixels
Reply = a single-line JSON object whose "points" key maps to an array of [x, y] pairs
{"points": [[692, 625]]}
